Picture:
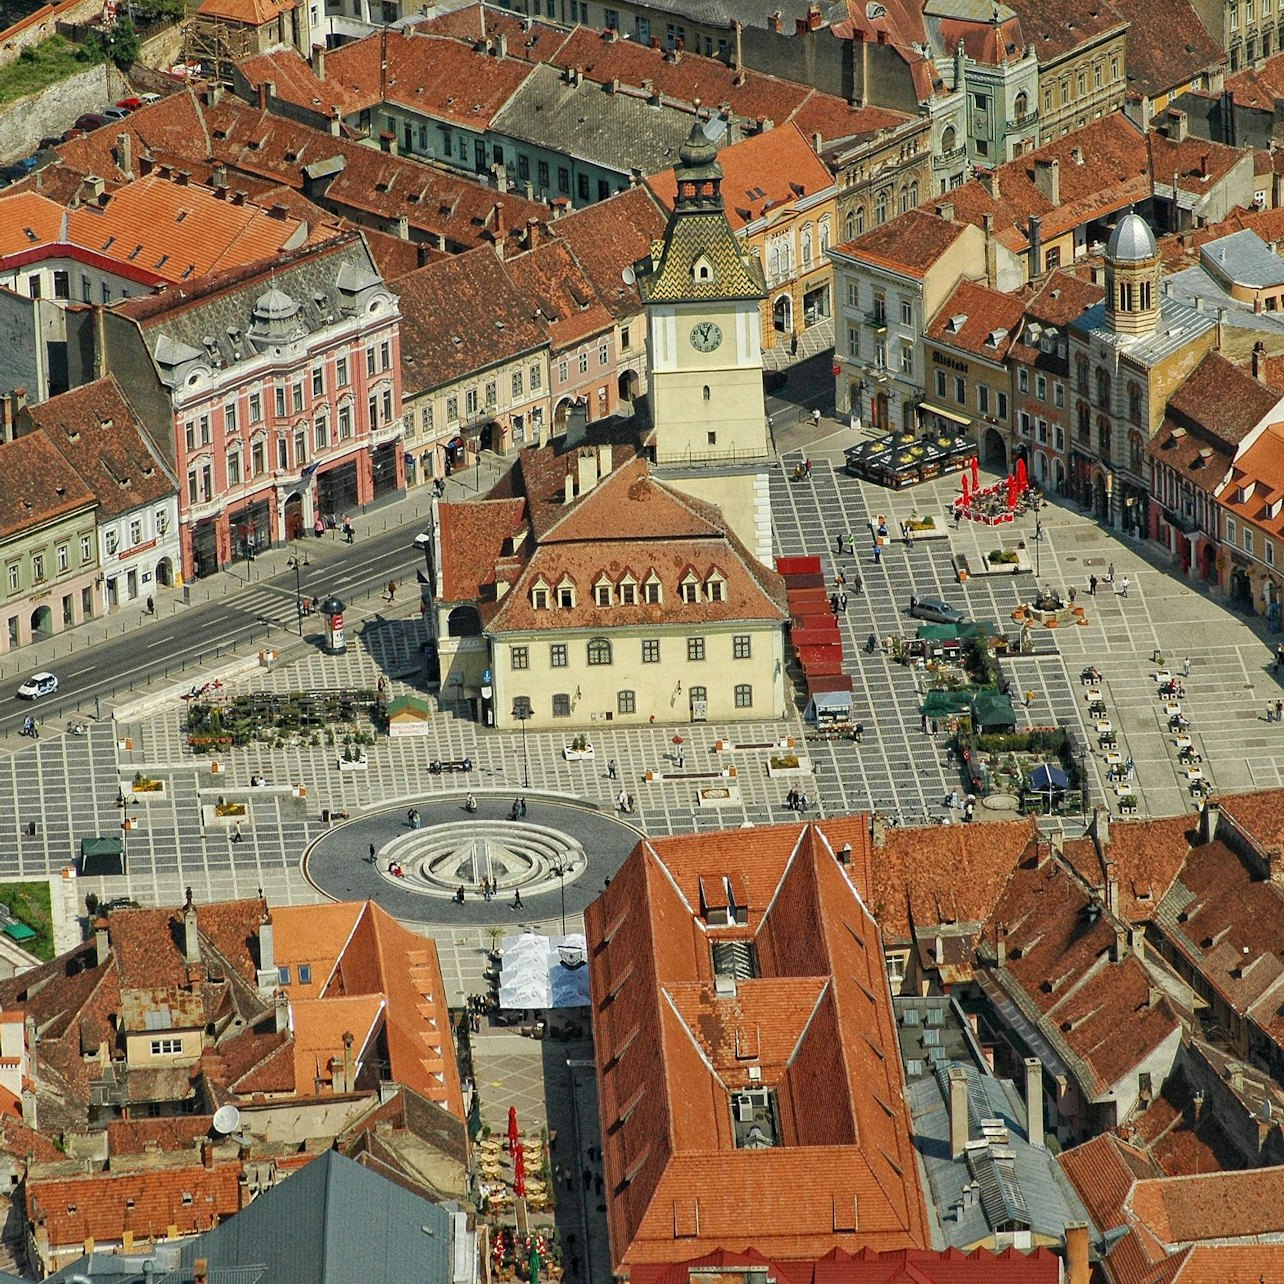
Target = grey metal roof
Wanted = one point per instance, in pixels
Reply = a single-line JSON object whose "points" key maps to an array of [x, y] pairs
{"points": [[1193, 286], [1132, 241], [1244, 258], [752, 13], [1002, 1180], [616, 131], [1178, 324]]}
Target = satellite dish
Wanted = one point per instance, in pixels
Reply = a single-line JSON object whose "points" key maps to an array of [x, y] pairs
{"points": [[226, 1119], [628, 276]]}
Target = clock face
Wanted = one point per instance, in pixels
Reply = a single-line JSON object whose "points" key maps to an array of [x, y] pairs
{"points": [[705, 336]]}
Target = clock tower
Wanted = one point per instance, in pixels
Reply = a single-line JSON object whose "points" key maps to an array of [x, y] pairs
{"points": [[702, 293]]}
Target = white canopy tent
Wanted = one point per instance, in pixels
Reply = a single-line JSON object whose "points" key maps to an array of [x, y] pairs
{"points": [[536, 974]]}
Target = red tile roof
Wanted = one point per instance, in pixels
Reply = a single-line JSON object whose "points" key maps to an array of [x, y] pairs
{"points": [[978, 320], [670, 1158], [37, 484], [527, 38], [1102, 1172], [1257, 88], [910, 243], [252, 13], [762, 174], [1159, 60], [1214, 1206], [556, 290], [1055, 28], [296, 83], [97, 431]]}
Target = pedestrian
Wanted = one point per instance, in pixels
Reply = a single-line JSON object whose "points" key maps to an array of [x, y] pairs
{"points": [[878, 552], [833, 603], [859, 732], [610, 769], [1279, 710], [839, 580], [318, 527], [392, 589], [793, 344], [838, 540], [151, 606], [842, 604], [1110, 574], [1029, 698], [1072, 593], [522, 800], [372, 853], [348, 533], [517, 904], [807, 462], [1185, 667], [1123, 587], [858, 584], [1279, 656], [236, 835], [815, 419]]}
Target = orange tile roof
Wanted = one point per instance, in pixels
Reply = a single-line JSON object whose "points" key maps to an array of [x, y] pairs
{"points": [[556, 290], [1231, 1264], [667, 1056], [479, 530], [1102, 1172], [313, 934], [104, 1205], [252, 13], [990, 321], [320, 1026], [152, 229], [1215, 1206], [761, 174], [298, 84], [1157, 60], [910, 243]]}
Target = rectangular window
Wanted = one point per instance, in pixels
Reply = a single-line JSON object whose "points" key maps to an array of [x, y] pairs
{"points": [[1248, 540], [62, 555], [626, 702], [583, 363], [345, 422], [517, 385], [385, 355], [33, 286], [563, 180], [537, 379], [452, 410], [582, 186], [983, 399], [282, 453], [166, 1047], [1003, 405], [602, 595], [86, 290], [492, 394], [189, 436], [37, 567], [695, 649], [370, 361], [1023, 379], [234, 468], [1059, 394], [86, 549], [907, 312], [960, 390], [907, 359], [650, 650], [256, 407], [744, 696], [557, 655], [541, 172], [318, 382], [135, 532], [940, 383], [192, 496], [470, 402], [521, 657], [279, 402], [341, 372], [561, 706], [13, 579], [387, 405], [61, 283], [601, 352], [229, 418], [742, 646], [321, 432], [258, 459], [1041, 387]]}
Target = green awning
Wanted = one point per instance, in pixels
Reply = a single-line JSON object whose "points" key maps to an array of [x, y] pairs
{"points": [[19, 932], [943, 704], [101, 856], [992, 709], [938, 632]]}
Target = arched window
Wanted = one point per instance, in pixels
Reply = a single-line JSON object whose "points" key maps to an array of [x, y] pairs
{"points": [[1134, 403], [773, 262], [1021, 105], [860, 220], [599, 651], [904, 198], [806, 247], [706, 392], [949, 139], [913, 195], [1103, 389], [850, 224], [824, 235], [880, 209]]}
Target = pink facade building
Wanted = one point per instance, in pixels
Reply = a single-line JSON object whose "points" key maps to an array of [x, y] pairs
{"points": [[276, 389]]}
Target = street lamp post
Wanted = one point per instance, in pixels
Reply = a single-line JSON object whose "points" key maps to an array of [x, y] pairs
{"points": [[296, 564], [560, 870], [1037, 504], [522, 711], [124, 804]]}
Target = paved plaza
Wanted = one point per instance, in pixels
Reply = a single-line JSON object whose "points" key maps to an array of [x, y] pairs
{"points": [[59, 789]]}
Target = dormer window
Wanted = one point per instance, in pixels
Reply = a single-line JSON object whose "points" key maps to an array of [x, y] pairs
{"points": [[702, 270], [690, 588], [652, 591], [539, 598], [602, 592], [566, 595], [716, 588], [628, 592]]}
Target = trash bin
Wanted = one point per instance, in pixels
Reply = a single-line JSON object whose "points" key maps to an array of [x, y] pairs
{"points": [[325, 815]]}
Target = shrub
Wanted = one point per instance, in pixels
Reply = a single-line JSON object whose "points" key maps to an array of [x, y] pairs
{"points": [[787, 762], [1002, 557]]}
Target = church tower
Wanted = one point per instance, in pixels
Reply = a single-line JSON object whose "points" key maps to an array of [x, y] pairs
{"points": [[702, 293], [1132, 278]]}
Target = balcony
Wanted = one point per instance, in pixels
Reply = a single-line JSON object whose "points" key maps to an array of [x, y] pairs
{"points": [[1024, 122], [876, 320], [948, 158]]}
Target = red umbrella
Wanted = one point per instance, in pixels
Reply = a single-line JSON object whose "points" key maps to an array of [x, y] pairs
{"points": [[677, 740], [1023, 477], [519, 1170], [966, 488], [976, 471], [512, 1128]]}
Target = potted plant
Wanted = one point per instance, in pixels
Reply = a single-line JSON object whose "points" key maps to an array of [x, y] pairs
{"points": [[580, 749], [1128, 805]]}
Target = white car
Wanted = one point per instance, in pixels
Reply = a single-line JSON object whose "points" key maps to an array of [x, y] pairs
{"points": [[39, 684]]}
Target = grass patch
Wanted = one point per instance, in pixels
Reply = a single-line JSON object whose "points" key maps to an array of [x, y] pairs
{"points": [[29, 904], [45, 64]]}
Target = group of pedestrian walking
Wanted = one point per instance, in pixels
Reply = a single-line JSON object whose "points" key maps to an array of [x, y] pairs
{"points": [[518, 809]]}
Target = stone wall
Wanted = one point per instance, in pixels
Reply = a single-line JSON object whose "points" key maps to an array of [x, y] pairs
{"points": [[42, 24], [53, 110]]}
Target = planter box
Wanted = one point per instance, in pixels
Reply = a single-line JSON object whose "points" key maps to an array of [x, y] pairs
{"points": [[802, 769], [357, 764], [211, 820], [579, 755], [146, 795]]}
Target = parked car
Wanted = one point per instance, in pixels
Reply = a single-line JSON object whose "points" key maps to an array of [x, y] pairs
{"points": [[148, 99], [129, 104], [90, 120], [50, 140], [39, 684], [932, 608], [115, 113], [69, 134]]}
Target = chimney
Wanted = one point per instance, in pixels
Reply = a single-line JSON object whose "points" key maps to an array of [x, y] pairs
{"points": [[990, 181], [576, 425], [1076, 1253], [29, 1104], [817, 141], [125, 154], [568, 489], [1137, 941], [1101, 829], [1076, 155], [102, 943], [991, 252], [94, 186], [267, 954], [1221, 325], [267, 91], [1275, 863], [1259, 361], [191, 943], [945, 210], [1035, 237], [1001, 945], [318, 61], [403, 227], [737, 31], [774, 22], [349, 1063], [1034, 1101], [1047, 178], [603, 459], [1119, 950], [501, 45], [814, 19], [1208, 821], [959, 1129], [586, 468], [218, 177], [497, 222], [200, 1271], [532, 233], [281, 1012], [1178, 124]]}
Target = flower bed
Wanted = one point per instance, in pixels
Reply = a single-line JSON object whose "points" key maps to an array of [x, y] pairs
{"points": [[145, 788]]}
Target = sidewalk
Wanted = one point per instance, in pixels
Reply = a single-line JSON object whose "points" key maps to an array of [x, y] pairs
{"points": [[410, 510]]}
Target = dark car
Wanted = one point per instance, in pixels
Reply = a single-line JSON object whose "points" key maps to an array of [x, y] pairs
{"points": [[90, 120], [932, 608]]}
